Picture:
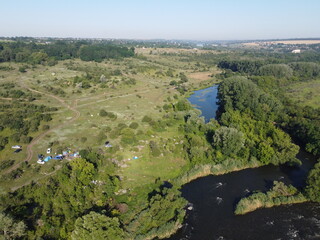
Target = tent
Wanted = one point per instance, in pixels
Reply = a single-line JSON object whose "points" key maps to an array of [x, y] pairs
{"points": [[47, 159]]}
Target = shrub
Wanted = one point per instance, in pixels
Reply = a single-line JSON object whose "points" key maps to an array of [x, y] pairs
{"points": [[134, 125]]}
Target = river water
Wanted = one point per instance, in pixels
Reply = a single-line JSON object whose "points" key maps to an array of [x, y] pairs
{"points": [[214, 199]]}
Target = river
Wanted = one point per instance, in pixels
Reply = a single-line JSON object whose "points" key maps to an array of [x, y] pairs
{"points": [[214, 198]]}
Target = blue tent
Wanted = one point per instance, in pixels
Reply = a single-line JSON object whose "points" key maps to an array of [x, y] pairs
{"points": [[47, 158]]}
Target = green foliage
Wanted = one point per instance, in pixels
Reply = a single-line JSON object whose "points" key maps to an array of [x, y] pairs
{"points": [[146, 119], [6, 164], [60, 200], [21, 117], [276, 70], [246, 107], [100, 52], [10, 229], [313, 184], [182, 105], [103, 113], [263, 139], [303, 124], [60, 50], [164, 208], [22, 69], [306, 70], [97, 226], [173, 83], [239, 93], [128, 136], [154, 149], [38, 57], [134, 125], [228, 140], [183, 78], [242, 66], [279, 194]]}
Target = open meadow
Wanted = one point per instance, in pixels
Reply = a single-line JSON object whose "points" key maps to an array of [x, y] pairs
{"points": [[127, 90], [305, 93]]}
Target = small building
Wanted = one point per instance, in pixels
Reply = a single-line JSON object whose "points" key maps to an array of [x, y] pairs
{"points": [[296, 51]]}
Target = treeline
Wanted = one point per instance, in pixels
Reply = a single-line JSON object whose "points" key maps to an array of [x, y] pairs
{"points": [[49, 53], [305, 70], [100, 52]]}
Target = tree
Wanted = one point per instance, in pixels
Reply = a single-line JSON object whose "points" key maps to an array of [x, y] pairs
{"points": [[182, 105], [96, 226], [11, 229], [276, 70], [228, 140], [313, 181], [82, 170]]}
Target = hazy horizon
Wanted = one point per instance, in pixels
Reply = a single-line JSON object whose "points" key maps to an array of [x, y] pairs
{"points": [[203, 20]]}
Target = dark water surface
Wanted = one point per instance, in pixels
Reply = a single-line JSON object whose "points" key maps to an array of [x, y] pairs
{"points": [[214, 199], [205, 100]]}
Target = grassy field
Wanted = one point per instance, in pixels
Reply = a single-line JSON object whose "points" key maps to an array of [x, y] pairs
{"points": [[130, 103], [305, 93]]}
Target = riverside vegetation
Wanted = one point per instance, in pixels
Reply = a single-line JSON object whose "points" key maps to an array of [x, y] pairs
{"points": [[136, 98]]}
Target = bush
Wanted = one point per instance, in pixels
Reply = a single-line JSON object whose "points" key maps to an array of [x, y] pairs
{"points": [[6, 163], [25, 139], [45, 127], [103, 113], [22, 69], [154, 149], [134, 125]]}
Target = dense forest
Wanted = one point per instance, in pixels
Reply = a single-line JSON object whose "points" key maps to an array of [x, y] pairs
{"points": [[49, 53]]}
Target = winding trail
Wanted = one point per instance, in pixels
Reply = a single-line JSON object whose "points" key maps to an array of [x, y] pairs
{"points": [[39, 137], [35, 140], [73, 107]]}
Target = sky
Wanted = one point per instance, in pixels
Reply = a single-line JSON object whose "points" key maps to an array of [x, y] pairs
{"points": [[161, 19]]}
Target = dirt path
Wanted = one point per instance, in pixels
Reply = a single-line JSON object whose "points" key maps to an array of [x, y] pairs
{"points": [[36, 139], [108, 98], [72, 107], [42, 135], [33, 180], [4, 98]]}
